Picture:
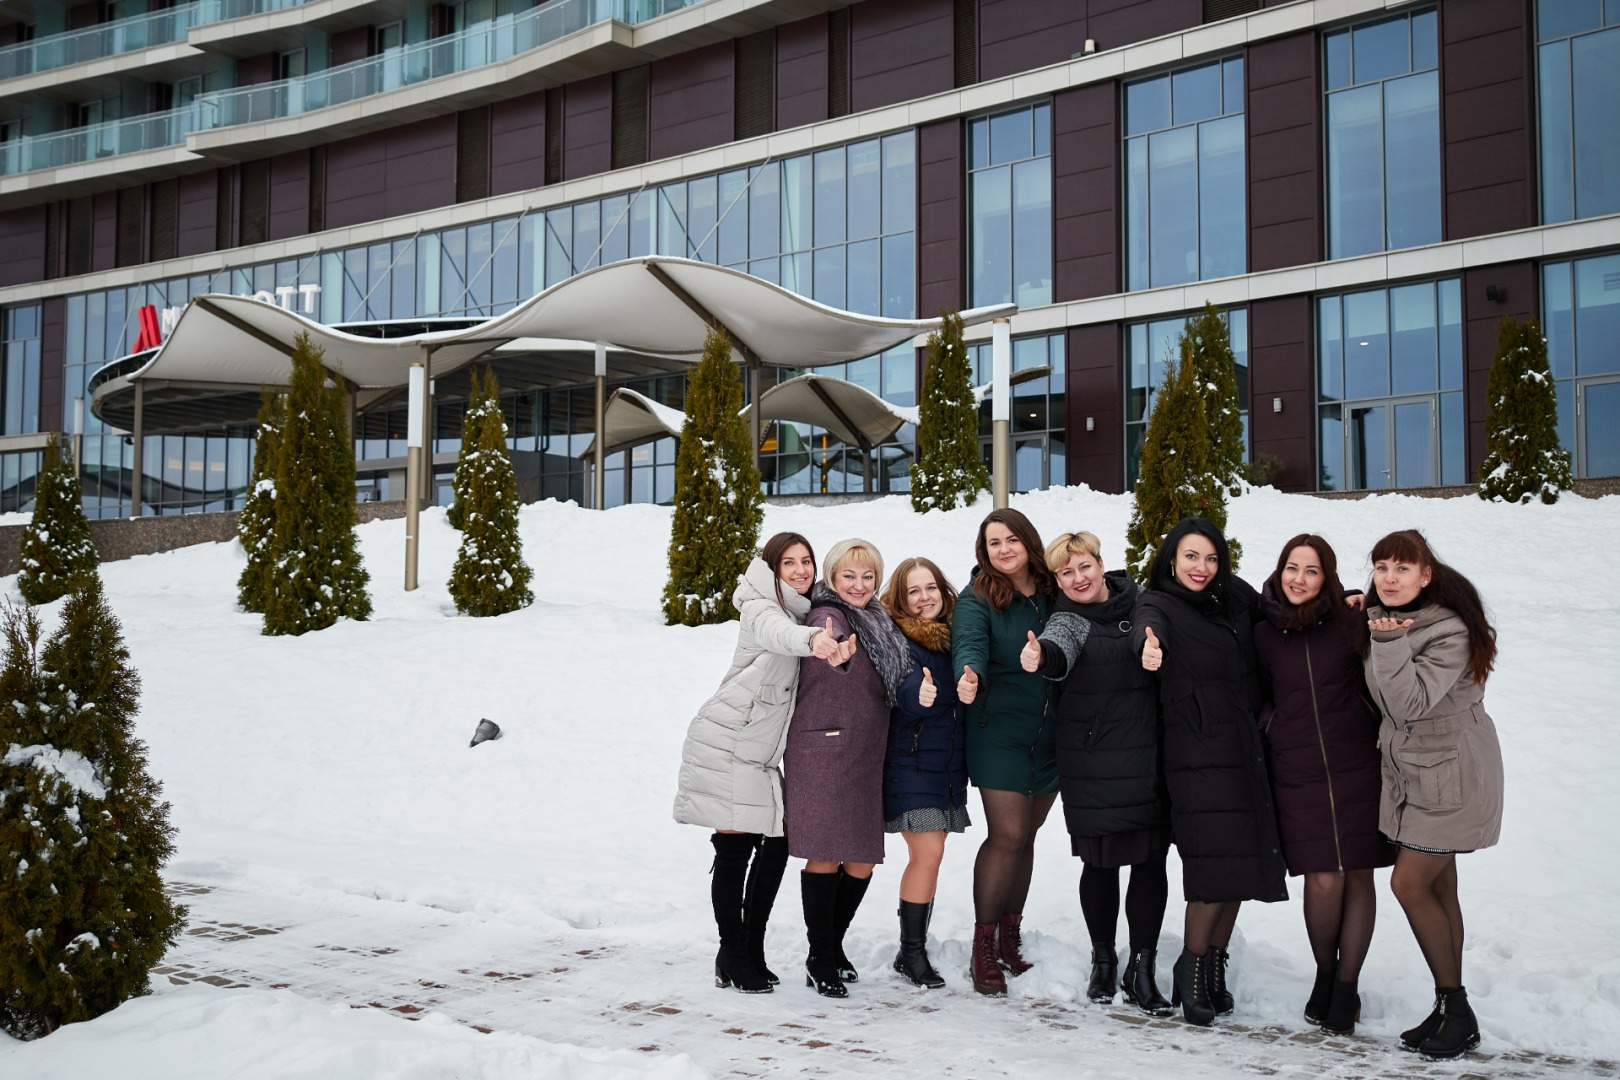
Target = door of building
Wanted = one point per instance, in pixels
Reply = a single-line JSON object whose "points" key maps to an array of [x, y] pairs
{"points": [[1393, 443], [1597, 426]]}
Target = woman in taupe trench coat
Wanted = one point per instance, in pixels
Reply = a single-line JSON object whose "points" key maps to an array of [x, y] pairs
{"points": [[1432, 649]]}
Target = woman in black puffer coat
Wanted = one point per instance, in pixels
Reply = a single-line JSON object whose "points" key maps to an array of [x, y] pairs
{"points": [[925, 779], [1194, 625], [1322, 731], [1114, 799]]}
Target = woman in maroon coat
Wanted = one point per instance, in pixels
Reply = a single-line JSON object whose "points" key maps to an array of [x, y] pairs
{"points": [[1322, 732]]}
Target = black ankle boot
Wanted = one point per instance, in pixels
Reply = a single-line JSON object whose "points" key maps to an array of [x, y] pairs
{"points": [[1321, 995], [764, 880], [1104, 973], [1458, 1029], [1345, 1011], [851, 890], [732, 966], [1141, 988], [1191, 988], [820, 895], [1412, 1038], [912, 959], [1220, 998]]}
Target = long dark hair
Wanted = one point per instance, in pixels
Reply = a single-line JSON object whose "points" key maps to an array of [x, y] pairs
{"points": [[1163, 571], [1332, 594], [991, 583], [894, 597], [1446, 587], [776, 547]]}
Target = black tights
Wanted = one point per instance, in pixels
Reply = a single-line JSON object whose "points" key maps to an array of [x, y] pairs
{"points": [[1426, 886], [1007, 857], [1145, 898], [1339, 914]]}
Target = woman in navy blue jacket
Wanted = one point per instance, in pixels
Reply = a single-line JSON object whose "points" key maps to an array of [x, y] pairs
{"points": [[925, 771]]}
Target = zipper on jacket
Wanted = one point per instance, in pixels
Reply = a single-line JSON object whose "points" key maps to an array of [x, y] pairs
{"points": [[1333, 809]]}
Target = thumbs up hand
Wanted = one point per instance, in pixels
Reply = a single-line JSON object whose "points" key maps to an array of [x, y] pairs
{"points": [[967, 687], [823, 643], [1152, 653], [1030, 658], [929, 692]]}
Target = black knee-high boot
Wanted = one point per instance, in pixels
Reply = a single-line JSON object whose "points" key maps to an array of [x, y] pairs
{"points": [[820, 894], [764, 879], [732, 966], [851, 890]]}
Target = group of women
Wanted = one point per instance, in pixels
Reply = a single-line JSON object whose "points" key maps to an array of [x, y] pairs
{"points": [[1294, 729]]}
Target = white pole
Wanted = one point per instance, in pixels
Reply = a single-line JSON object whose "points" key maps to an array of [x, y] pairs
{"points": [[78, 433], [1001, 410], [599, 481], [414, 425]]}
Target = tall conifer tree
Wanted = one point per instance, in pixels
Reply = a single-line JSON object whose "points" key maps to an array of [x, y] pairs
{"points": [[317, 576], [949, 470], [718, 503], [1210, 342], [1523, 457], [83, 828], [56, 548], [490, 576], [256, 525]]}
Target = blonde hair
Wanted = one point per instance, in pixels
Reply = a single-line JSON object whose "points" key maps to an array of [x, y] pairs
{"points": [[894, 597], [853, 550], [1059, 551]]}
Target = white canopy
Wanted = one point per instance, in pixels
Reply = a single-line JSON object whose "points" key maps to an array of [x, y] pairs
{"points": [[630, 418]]}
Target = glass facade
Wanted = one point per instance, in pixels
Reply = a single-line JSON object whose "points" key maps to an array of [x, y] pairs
{"points": [[1581, 305], [1010, 195], [1578, 71], [19, 402], [1383, 135], [1039, 416], [1390, 380], [1148, 346], [1184, 176]]}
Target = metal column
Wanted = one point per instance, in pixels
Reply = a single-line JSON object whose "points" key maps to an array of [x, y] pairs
{"points": [[140, 446], [78, 435], [755, 421], [424, 469], [599, 481], [414, 427], [1001, 411]]}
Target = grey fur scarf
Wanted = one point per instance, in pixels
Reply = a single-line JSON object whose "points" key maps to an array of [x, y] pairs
{"points": [[876, 634]]}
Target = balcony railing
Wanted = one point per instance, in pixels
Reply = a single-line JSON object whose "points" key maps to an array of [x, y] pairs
{"points": [[462, 51], [126, 35], [112, 137]]}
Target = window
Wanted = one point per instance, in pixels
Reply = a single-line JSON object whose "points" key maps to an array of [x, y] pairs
{"points": [[1184, 191], [290, 65], [1581, 308], [1383, 136], [1010, 194], [1579, 82], [1039, 417], [1148, 346], [1390, 379], [19, 370]]}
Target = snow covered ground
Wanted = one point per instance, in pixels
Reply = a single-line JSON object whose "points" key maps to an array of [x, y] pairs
{"points": [[345, 854]]}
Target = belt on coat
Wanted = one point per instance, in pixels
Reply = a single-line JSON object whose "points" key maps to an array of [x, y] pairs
{"points": [[1440, 725]]}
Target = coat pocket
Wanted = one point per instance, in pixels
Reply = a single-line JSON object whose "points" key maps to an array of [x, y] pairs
{"points": [[1433, 778], [824, 740]]}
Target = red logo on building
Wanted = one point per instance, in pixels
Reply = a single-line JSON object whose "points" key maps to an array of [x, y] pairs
{"points": [[150, 337]]}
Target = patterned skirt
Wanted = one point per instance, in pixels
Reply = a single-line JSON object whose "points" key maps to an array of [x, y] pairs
{"points": [[930, 819]]}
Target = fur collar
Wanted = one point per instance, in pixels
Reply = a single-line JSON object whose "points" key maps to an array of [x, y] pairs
{"points": [[931, 634]]}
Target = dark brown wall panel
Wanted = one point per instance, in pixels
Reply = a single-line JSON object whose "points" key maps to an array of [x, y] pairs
{"points": [[517, 143], [104, 231], [1487, 93], [351, 45], [1518, 288], [52, 349], [1016, 35], [588, 127], [1280, 366], [801, 72], [256, 69], [1096, 457], [1113, 23], [198, 192], [899, 50], [940, 248], [1086, 192], [398, 171], [22, 245], [692, 100], [1285, 157], [289, 195]]}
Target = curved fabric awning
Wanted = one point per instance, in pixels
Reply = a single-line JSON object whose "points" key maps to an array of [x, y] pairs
{"points": [[849, 411], [630, 418]]}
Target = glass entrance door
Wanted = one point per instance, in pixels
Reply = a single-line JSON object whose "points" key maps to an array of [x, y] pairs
{"points": [[1367, 434], [1392, 444], [1414, 444], [1597, 410]]}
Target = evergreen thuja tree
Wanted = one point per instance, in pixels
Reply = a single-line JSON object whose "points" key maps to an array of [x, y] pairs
{"points": [[256, 525], [83, 828], [1210, 342], [317, 576], [490, 576], [718, 503], [56, 547], [949, 470], [1523, 457], [1174, 479]]}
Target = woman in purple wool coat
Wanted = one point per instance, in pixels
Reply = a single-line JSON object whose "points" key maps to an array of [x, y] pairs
{"points": [[833, 787], [1322, 731]]}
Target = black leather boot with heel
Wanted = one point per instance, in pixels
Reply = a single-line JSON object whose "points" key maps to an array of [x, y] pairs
{"points": [[1220, 998], [764, 881], [851, 890], [1191, 988], [1345, 1010], [820, 895], [1141, 988], [1316, 1006], [912, 959], [1104, 973], [732, 965], [1457, 1031]]}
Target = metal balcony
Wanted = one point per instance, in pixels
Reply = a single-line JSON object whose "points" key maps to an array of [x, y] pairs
{"points": [[149, 131]]}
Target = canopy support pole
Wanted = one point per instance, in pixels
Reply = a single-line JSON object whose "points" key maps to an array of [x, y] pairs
{"points": [[414, 426], [140, 445], [1001, 411], [424, 471], [599, 481], [755, 421], [860, 439]]}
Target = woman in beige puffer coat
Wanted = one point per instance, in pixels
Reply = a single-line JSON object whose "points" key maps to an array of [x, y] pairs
{"points": [[1432, 649], [730, 780]]}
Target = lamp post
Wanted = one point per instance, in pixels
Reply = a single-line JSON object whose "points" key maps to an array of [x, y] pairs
{"points": [[414, 425], [1001, 411]]}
